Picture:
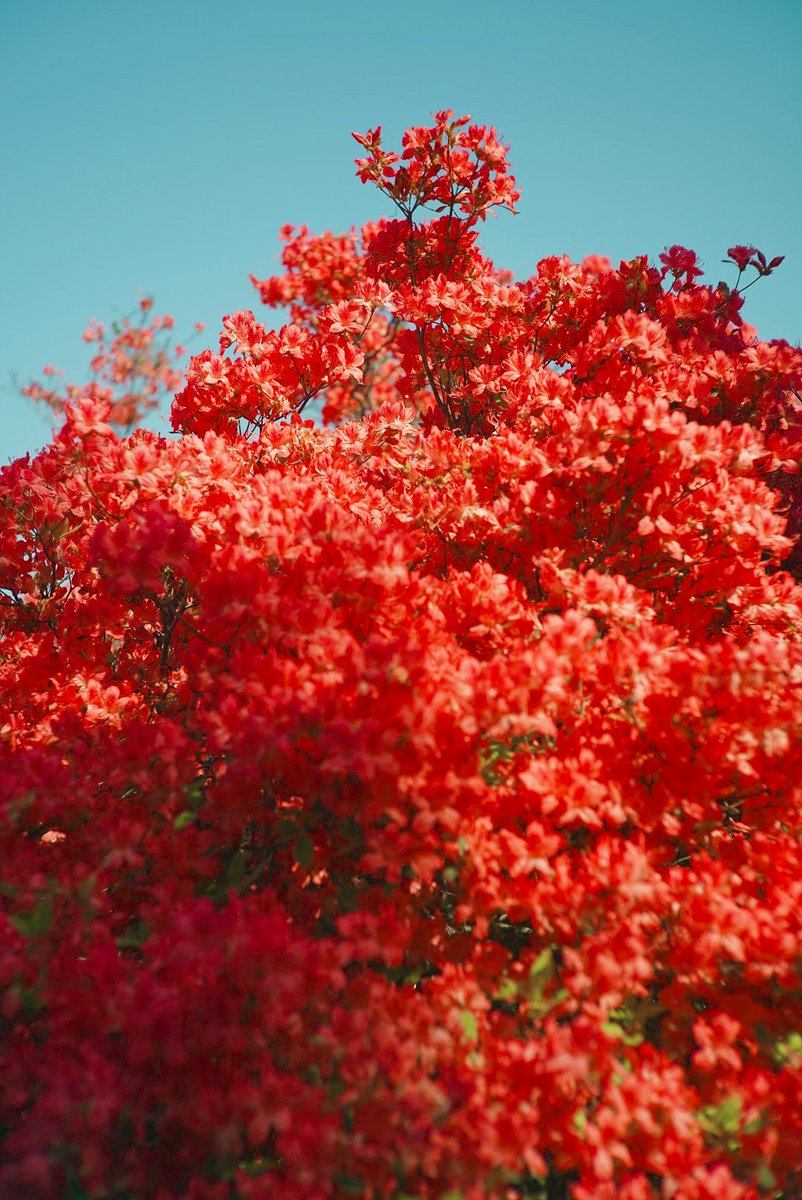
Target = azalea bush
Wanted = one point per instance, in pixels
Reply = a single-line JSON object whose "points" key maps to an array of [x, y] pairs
{"points": [[402, 775]]}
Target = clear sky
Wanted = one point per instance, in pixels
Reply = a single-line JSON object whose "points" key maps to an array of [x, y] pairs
{"points": [[157, 147]]}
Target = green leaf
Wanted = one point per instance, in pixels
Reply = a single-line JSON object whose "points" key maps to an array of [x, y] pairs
{"points": [[195, 793], [75, 1189], [629, 1035], [134, 935], [235, 870], [469, 1027], [350, 1184], [723, 1121], [183, 819], [729, 1114], [542, 966], [257, 1166], [36, 922], [303, 850], [30, 1002], [508, 990], [403, 975], [540, 974], [766, 1178], [788, 1047], [347, 896]]}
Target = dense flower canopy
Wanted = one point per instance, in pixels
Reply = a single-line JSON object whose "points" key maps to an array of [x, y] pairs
{"points": [[409, 805]]}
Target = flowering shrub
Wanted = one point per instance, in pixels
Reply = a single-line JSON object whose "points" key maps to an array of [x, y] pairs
{"points": [[410, 806]]}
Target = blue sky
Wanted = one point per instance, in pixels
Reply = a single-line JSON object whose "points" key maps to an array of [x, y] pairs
{"points": [[158, 147]]}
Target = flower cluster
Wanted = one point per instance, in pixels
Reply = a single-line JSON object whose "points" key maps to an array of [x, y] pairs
{"points": [[458, 167], [133, 369], [409, 806]]}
